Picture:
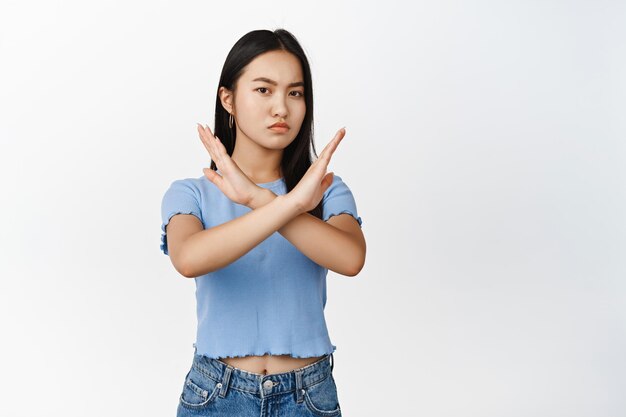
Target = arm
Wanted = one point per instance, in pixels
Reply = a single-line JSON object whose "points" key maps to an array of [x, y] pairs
{"points": [[341, 250], [337, 244], [231, 240]]}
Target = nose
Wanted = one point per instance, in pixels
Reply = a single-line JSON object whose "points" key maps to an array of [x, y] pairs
{"points": [[279, 107]]}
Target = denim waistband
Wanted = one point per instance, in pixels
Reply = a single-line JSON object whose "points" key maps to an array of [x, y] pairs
{"points": [[231, 377]]}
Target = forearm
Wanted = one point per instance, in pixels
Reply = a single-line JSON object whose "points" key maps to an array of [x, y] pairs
{"points": [[321, 242], [218, 246]]}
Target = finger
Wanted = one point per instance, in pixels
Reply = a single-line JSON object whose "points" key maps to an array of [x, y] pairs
{"points": [[205, 140], [332, 145], [327, 181], [213, 176], [209, 173], [220, 147], [208, 143], [216, 144], [329, 149], [215, 147], [208, 132]]}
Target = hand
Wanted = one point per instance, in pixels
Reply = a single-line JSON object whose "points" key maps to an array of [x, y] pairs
{"points": [[309, 191], [233, 182]]}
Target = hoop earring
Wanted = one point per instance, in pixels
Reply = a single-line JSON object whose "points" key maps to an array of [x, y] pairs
{"points": [[230, 121]]}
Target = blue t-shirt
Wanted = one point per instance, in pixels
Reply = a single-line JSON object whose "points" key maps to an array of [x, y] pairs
{"points": [[269, 301]]}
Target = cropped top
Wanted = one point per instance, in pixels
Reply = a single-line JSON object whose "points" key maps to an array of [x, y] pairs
{"points": [[269, 301]]}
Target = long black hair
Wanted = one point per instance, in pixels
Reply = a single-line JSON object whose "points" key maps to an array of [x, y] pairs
{"points": [[297, 156]]}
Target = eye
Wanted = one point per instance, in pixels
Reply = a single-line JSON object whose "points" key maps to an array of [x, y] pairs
{"points": [[298, 93]]}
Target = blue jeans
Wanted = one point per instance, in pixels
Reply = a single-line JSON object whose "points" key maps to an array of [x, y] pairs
{"points": [[214, 388]]}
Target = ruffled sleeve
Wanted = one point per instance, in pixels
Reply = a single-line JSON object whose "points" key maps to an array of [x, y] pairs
{"points": [[338, 199], [182, 197]]}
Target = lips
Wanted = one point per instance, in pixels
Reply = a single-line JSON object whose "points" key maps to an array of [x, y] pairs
{"points": [[280, 125]]}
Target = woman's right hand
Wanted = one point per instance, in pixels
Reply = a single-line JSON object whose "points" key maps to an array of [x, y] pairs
{"points": [[233, 183], [308, 193]]}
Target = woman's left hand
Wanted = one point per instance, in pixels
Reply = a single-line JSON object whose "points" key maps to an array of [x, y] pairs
{"points": [[233, 182]]}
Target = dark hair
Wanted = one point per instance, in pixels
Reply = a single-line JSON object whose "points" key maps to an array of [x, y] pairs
{"points": [[296, 157]]}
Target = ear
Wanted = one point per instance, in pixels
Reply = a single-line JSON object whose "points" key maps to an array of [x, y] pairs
{"points": [[226, 98]]}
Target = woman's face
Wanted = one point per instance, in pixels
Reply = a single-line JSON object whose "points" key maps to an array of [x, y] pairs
{"points": [[270, 90]]}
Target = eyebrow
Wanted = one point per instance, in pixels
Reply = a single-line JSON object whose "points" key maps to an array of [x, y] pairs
{"points": [[267, 80]]}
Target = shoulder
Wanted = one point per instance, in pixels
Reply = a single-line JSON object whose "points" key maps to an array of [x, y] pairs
{"points": [[338, 199], [337, 187], [196, 186]]}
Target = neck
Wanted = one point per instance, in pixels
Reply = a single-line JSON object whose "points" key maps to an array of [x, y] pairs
{"points": [[258, 163]]}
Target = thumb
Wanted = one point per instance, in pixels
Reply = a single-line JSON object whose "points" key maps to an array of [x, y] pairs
{"points": [[327, 181], [208, 173]]}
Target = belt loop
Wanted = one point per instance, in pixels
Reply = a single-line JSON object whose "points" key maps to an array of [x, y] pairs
{"points": [[299, 389], [195, 349], [332, 362], [225, 380]]}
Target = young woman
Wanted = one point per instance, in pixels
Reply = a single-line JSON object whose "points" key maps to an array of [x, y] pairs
{"points": [[259, 232]]}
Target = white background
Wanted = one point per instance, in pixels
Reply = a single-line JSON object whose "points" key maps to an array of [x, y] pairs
{"points": [[485, 149]]}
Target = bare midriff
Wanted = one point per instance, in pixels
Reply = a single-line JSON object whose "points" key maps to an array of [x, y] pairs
{"points": [[269, 364]]}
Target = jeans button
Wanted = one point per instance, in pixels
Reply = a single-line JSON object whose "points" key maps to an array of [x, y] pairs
{"points": [[268, 384]]}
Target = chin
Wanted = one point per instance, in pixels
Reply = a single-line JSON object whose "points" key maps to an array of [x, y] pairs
{"points": [[278, 141]]}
